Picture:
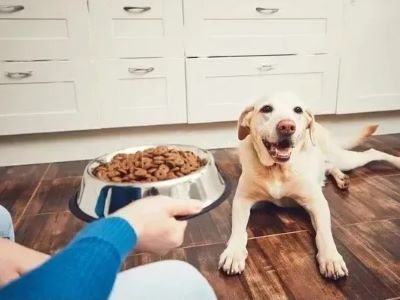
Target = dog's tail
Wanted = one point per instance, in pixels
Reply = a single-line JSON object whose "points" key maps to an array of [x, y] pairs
{"points": [[353, 142]]}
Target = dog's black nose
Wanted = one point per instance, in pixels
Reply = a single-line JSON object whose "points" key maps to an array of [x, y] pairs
{"points": [[286, 127]]}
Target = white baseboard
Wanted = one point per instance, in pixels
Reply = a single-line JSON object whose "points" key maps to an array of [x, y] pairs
{"points": [[66, 146]]}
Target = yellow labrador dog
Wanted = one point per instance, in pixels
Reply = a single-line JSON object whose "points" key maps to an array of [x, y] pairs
{"points": [[285, 153]]}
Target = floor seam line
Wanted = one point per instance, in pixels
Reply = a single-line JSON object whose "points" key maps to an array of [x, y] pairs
{"points": [[32, 196]]}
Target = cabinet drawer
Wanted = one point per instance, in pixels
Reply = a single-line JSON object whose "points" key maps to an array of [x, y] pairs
{"points": [[139, 92], [45, 97], [43, 29], [137, 28], [219, 88], [260, 27]]}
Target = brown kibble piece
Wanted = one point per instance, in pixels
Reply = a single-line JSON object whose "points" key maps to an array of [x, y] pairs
{"points": [[152, 170], [165, 168], [140, 172], [116, 179], [146, 163], [185, 169], [160, 174]]}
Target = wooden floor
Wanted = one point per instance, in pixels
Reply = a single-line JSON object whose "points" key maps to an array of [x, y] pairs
{"points": [[281, 262]]}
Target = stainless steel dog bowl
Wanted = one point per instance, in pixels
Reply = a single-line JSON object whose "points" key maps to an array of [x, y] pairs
{"points": [[97, 198]]}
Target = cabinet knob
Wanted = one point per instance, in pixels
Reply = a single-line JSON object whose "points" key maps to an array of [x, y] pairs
{"points": [[140, 70], [136, 9], [267, 11], [18, 75], [8, 9]]}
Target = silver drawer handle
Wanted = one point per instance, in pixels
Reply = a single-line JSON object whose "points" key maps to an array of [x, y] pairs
{"points": [[140, 70], [266, 68], [267, 11], [18, 75], [136, 9], [8, 9]]}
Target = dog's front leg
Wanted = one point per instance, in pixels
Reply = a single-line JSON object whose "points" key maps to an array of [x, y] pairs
{"points": [[232, 260], [331, 263]]}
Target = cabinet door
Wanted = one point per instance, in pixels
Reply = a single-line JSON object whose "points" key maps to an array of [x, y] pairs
{"points": [[219, 88], [137, 28], [370, 59], [45, 97], [43, 29], [261, 27], [138, 92]]}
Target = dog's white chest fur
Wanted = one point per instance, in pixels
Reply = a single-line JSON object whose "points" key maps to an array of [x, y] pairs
{"points": [[276, 188]]}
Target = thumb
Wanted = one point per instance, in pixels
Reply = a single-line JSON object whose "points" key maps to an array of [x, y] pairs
{"points": [[184, 207]]}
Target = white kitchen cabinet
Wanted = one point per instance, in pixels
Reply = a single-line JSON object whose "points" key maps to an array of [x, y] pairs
{"points": [[45, 97], [219, 88], [43, 29], [260, 27], [139, 92], [137, 28], [370, 57]]}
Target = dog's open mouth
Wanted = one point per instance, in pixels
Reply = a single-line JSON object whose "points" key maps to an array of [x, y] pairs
{"points": [[280, 151]]}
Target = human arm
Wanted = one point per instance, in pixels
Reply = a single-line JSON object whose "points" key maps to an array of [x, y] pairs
{"points": [[87, 267]]}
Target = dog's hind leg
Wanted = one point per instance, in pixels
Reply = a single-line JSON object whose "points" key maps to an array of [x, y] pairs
{"points": [[342, 180], [347, 160]]}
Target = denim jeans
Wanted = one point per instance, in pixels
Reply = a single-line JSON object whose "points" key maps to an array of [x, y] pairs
{"points": [[166, 280], [6, 225]]}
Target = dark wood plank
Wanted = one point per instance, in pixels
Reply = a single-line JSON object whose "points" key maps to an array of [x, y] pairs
{"points": [[23, 172], [365, 201], [388, 185], [66, 169], [53, 195], [17, 185], [376, 245], [47, 233]]}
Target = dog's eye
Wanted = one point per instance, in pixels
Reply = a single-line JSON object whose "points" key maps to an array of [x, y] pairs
{"points": [[266, 109], [298, 110]]}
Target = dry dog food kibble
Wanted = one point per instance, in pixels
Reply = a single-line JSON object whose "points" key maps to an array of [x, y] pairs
{"points": [[150, 165]]}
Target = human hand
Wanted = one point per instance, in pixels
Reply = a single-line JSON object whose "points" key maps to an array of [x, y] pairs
{"points": [[153, 220]]}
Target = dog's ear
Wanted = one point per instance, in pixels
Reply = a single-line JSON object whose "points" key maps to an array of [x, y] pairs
{"points": [[244, 123], [311, 126]]}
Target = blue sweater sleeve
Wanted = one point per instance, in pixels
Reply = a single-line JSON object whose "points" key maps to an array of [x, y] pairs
{"points": [[85, 269]]}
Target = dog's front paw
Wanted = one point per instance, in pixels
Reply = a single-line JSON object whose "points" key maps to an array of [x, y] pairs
{"points": [[232, 260], [332, 265]]}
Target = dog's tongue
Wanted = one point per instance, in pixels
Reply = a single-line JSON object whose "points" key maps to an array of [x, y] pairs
{"points": [[282, 152]]}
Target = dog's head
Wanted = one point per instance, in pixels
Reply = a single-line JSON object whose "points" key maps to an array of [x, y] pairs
{"points": [[277, 124]]}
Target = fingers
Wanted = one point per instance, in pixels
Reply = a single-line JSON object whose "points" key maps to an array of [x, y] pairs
{"points": [[183, 207], [181, 226]]}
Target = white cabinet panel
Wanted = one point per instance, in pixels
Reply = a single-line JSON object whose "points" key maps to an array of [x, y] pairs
{"points": [[43, 29], [370, 59], [45, 97], [138, 92], [137, 28], [260, 27], [219, 88]]}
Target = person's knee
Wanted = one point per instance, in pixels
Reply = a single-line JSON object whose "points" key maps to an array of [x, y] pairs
{"points": [[180, 268], [6, 228], [178, 265], [189, 276]]}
